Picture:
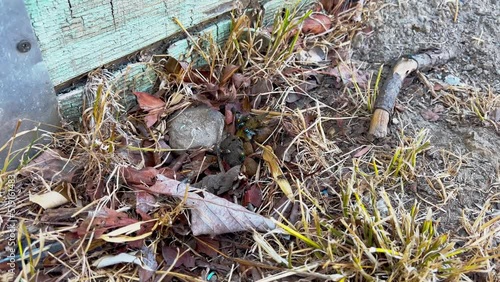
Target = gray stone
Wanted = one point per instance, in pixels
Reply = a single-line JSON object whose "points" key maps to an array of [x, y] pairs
{"points": [[195, 127]]}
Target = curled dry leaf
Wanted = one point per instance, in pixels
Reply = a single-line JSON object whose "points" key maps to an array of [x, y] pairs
{"points": [[279, 178], [211, 215], [150, 104], [317, 23], [145, 176], [132, 257], [49, 200]]}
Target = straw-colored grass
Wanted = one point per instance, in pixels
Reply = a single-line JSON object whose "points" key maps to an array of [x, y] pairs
{"points": [[348, 220]]}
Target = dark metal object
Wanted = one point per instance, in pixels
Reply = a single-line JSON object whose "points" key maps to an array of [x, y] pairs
{"points": [[24, 46], [26, 91]]}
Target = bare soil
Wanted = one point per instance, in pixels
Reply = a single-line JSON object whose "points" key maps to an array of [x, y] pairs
{"points": [[405, 27]]}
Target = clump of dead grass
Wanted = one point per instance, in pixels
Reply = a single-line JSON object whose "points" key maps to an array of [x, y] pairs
{"points": [[345, 226]]}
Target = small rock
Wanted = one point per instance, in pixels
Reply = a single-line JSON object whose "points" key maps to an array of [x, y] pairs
{"points": [[195, 127], [495, 114], [452, 80], [382, 207], [250, 167], [469, 67]]}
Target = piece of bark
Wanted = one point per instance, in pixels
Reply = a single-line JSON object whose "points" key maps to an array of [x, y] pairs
{"points": [[385, 102]]}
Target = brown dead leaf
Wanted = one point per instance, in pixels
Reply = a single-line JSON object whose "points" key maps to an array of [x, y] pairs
{"points": [[150, 104], [262, 86], [179, 256], [361, 152], [253, 196], [317, 23], [228, 73], [103, 220], [52, 165], [208, 246], [347, 76], [145, 176], [272, 161], [144, 203], [172, 66], [198, 165], [211, 215], [438, 87], [240, 80]]}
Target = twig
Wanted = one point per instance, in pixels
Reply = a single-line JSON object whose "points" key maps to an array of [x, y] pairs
{"points": [[385, 102]]}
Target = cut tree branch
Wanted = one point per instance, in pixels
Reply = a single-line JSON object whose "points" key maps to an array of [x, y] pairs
{"points": [[385, 102]]}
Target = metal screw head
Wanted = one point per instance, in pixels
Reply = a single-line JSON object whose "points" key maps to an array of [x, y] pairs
{"points": [[23, 46]]}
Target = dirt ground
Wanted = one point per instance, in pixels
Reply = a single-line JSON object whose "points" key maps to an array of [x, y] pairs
{"points": [[404, 27]]}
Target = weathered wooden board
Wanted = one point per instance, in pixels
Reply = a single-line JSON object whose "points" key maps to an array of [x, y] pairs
{"points": [[77, 36], [136, 77]]}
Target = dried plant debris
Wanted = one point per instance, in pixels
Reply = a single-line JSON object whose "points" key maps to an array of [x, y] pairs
{"points": [[249, 161]]}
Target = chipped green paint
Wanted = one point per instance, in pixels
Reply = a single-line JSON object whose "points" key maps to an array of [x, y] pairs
{"points": [[135, 77], [77, 36], [67, 59]]}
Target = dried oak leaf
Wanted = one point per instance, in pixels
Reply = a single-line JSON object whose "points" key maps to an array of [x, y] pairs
{"points": [[253, 196], [211, 215], [347, 76], [150, 104]]}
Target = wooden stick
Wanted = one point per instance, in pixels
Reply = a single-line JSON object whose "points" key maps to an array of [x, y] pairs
{"points": [[385, 102]]}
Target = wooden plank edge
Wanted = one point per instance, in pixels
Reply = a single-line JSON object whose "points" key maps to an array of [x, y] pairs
{"points": [[139, 77]]}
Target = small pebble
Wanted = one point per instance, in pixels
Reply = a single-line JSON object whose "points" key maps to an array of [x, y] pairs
{"points": [[452, 80], [469, 67]]}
